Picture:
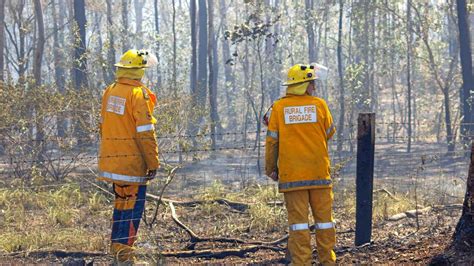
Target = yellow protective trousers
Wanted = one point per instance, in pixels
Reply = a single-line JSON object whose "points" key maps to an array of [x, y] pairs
{"points": [[299, 242]]}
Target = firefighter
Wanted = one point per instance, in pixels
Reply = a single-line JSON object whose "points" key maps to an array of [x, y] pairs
{"points": [[296, 156], [128, 155]]}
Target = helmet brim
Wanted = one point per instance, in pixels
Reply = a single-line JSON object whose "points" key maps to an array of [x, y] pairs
{"points": [[124, 66], [298, 82]]}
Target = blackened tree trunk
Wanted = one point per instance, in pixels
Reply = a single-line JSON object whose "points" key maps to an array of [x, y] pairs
{"points": [[467, 89], [340, 127], [111, 48], [464, 234], [80, 62], [2, 39]]}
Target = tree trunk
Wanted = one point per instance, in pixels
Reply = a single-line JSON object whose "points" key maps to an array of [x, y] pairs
{"points": [[38, 58], [80, 62], [447, 116], [125, 35], [157, 29], [229, 85], [340, 129], [173, 29], [309, 20], [2, 39], [409, 43], [467, 89], [111, 50], [202, 55], [213, 73], [138, 5], [464, 234], [38, 61], [59, 72]]}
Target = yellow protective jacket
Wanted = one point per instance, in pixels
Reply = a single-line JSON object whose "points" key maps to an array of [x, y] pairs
{"points": [[296, 142], [128, 147]]}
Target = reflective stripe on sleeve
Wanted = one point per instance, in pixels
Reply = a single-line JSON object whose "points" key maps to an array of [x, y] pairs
{"points": [[320, 226], [145, 128], [306, 183], [298, 227], [273, 134], [329, 130], [126, 178]]}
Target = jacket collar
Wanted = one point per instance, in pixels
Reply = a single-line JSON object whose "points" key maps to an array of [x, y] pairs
{"points": [[131, 82]]}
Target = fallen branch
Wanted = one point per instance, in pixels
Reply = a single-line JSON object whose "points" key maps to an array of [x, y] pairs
{"points": [[240, 206], [383, 190], [194, 238], [219, 254]]}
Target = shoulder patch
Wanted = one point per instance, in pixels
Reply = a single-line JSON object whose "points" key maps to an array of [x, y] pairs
{"points": [[145, 94]]}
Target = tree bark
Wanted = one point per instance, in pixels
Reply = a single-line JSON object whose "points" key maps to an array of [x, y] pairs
{"points": [[464, 234], [2, 39], [138, 5], [467, 89], [340, 129], [125, 37], [213, 72], [310, 30], [111, 50], [38, 58], [202, 55], [80, 62], [157, 29], [409, 42]]}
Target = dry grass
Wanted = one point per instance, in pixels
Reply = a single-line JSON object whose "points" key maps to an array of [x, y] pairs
{"points": [[58, 218]]}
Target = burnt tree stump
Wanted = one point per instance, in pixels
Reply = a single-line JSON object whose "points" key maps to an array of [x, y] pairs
{"points": [[464, 234]]}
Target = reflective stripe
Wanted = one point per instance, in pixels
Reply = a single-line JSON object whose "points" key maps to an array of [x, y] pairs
{"points": [[127, 178], [145, 128], [320, 226], [298, 227], [329, 130], [273, 134], [306, 183]]}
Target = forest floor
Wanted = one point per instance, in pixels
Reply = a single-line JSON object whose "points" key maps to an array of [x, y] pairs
{"points": [[69, 222], [37, 233]]}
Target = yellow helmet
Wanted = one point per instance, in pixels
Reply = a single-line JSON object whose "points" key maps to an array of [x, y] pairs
{"points": [[300, 73], [133, 59]]}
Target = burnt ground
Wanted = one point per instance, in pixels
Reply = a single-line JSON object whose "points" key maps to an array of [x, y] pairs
{"points": [[393, 242]]}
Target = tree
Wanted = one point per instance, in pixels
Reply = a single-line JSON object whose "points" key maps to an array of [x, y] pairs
{"points": [[409, 43], [125, 35], [202, 55], [340, 128], [467, 89], [138, 5], [213, 73], [80, 61], [111, 48], [2, 39], [157, 41]]}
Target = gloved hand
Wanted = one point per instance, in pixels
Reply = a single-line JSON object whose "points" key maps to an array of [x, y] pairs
{"points": [[274, 176], [151, 174]]}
